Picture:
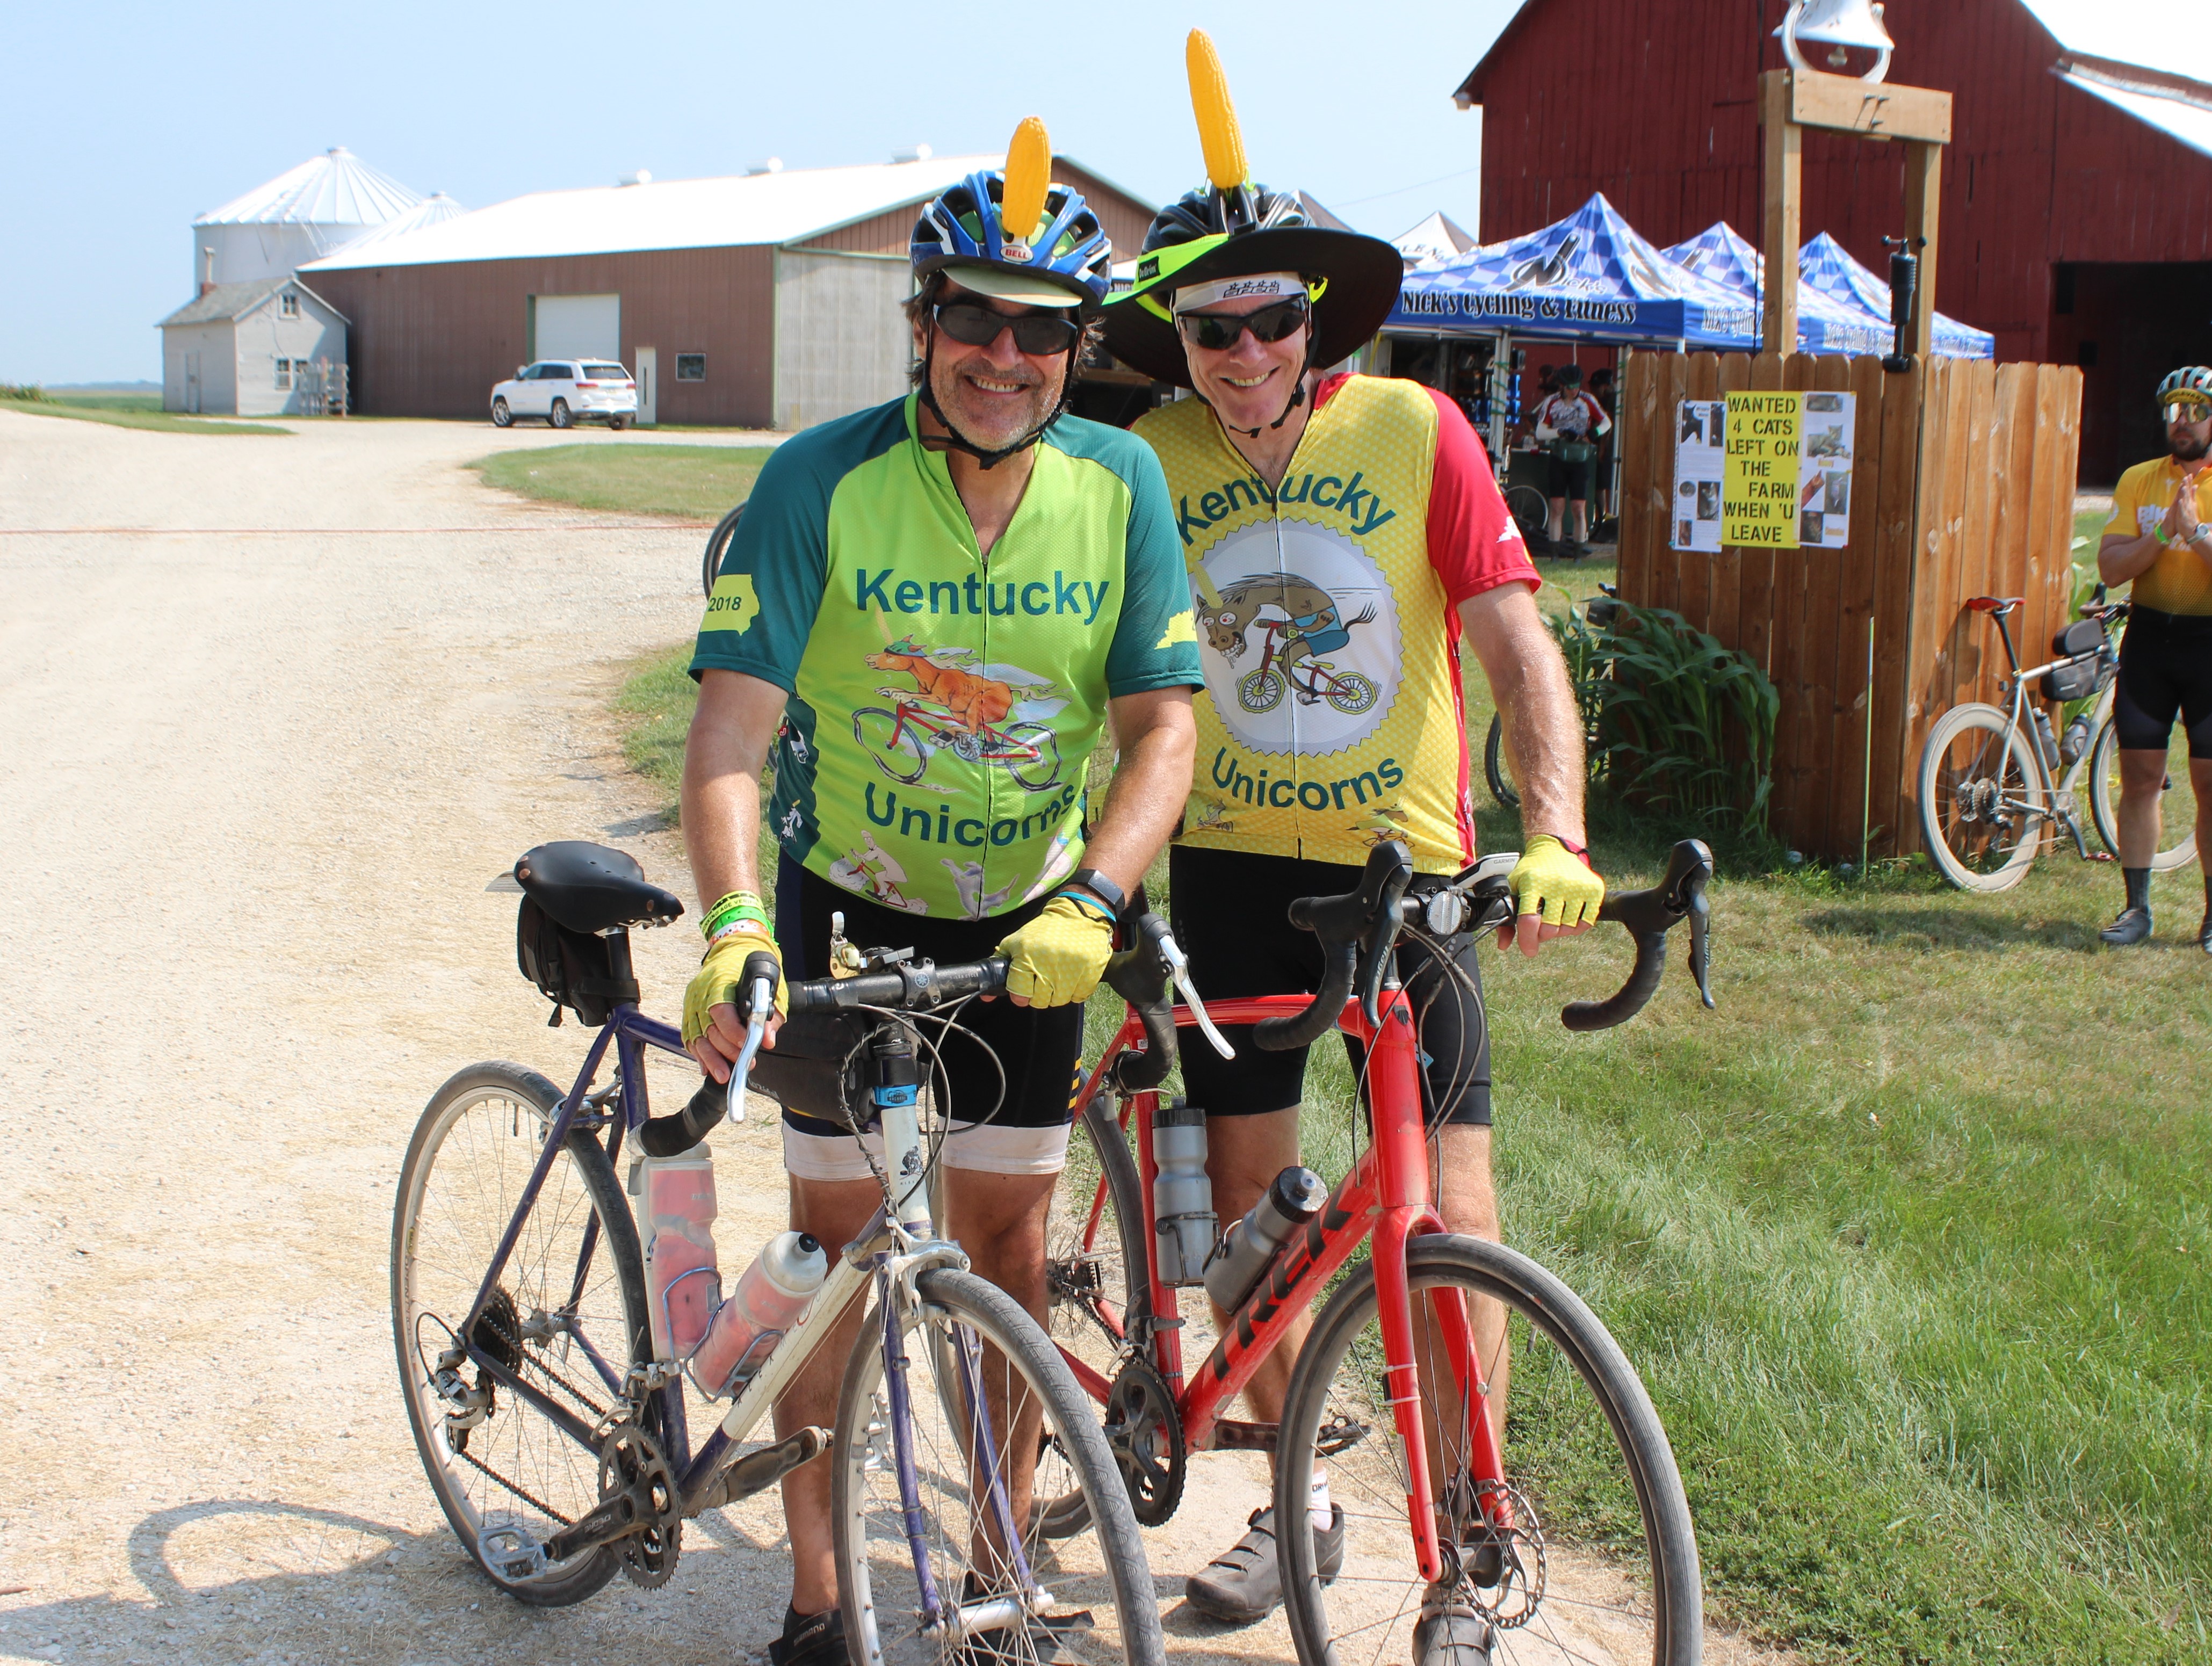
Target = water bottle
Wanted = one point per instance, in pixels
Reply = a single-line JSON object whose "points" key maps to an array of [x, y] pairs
{"points": [[2045, 739], [675, 1217], [1295, 1198], [1182, 1195], [768, 1301], [2076, 740]]}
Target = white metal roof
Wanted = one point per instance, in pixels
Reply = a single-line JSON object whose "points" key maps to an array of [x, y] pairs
{"points": [[672, 214], [433, 211], [228, 302], [334, 189], [2158, 34]]}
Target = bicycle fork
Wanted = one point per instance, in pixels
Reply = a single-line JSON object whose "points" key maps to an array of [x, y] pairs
{"points": [[1403, 1213]]}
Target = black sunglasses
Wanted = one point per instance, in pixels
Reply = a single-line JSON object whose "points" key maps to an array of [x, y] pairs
{"points": [[1217, 332], [1038, 334]]}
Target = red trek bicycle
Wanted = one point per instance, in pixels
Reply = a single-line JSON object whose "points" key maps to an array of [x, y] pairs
{"points": [[1564, 1527]]}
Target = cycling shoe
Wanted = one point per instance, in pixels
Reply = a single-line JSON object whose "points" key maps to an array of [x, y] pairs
{"points": [[815, 1640], [2131, 928]]}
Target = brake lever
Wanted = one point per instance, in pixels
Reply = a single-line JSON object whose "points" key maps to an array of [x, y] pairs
{"points": [[1701, 910], [763, 1003], [1179, 970]]}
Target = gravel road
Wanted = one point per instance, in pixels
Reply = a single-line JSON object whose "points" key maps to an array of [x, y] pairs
{"points": [[276, 711]]}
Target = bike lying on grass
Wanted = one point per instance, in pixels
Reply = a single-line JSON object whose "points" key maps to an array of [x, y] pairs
{"points": [[1988, 796], [556, 1437], [1567, 1531]]}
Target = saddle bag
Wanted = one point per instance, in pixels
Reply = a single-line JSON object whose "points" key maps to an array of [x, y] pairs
{"points": [[1573, 451], [571, 969]]}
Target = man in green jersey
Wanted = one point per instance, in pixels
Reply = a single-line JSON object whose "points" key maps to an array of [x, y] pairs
{"points": [[930, 609]]}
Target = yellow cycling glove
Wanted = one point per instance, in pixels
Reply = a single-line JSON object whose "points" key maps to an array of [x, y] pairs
{"points": [[1059, 955], [1554, 883], [716, 981]]}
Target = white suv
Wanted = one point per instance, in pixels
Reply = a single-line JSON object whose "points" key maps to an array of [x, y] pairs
{"points": [[566, 392]]}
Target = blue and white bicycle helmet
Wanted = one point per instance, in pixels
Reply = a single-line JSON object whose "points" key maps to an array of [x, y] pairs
{"points": [[1066, 251], [2190, 385]]}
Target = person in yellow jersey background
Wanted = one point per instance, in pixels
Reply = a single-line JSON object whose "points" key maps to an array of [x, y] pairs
{"points": [[2161, 537], [1345, 536]]}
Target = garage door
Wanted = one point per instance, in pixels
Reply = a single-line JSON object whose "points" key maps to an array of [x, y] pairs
{"points": [[579, 327]]}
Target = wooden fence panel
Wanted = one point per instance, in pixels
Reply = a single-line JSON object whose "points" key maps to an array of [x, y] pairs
{"points": [[1856, 593]]}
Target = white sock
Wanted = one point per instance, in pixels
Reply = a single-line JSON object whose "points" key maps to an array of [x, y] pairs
{"points": [[1317, 1511]]}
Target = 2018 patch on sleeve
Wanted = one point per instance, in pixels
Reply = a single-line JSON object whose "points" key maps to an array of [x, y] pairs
{"points": [[733, 606]]}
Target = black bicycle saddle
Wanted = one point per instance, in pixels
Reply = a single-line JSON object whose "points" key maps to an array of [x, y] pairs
{"points": [[589, 888]]}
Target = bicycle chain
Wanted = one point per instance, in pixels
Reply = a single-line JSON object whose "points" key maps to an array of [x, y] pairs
{"points": [[539, 1504]]}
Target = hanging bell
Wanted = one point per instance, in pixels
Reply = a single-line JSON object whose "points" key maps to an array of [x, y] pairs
{"points": [[1841, 25]]}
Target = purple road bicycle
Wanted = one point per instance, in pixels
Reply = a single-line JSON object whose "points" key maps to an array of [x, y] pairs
{"points": [[978, 1512]]}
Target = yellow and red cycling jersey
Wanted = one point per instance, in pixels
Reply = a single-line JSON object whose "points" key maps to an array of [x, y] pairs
{"points": [[1329, 623], [2179, 581]]}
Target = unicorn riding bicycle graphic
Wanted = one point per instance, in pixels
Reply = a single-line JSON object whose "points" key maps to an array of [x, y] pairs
{"points": [[1297, 622], [959, 707]]}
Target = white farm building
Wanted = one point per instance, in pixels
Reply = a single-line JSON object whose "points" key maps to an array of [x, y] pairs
{"points": [[269, 347], [302, 215]]}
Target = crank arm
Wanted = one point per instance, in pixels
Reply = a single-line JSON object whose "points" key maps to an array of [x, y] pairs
{"points": [[756, 1472], [628, 1511]]}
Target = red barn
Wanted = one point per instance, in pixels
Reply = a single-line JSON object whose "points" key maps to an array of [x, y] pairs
{"points": [[2076, 214]]}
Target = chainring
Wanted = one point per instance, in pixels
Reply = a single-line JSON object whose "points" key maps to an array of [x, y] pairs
{"points": [[1145, 1431], [628, 1457]]}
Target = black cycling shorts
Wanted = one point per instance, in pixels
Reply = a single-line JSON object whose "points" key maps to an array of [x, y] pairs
{"points": [[1230, 914], [1569, 480], [1037, 1047], [2166, 670]]}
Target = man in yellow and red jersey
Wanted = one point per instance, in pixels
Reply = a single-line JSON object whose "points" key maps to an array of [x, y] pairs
{"points": [[1344, 536], [2161, 539]]}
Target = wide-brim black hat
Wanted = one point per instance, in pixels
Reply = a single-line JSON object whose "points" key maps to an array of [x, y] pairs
{"points": [[1360, 274]]}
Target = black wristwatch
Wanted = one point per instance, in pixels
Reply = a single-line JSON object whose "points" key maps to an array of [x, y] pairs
{"points": [[1108, 892]]}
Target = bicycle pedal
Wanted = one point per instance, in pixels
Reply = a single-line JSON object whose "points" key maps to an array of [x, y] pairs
{"points": [[512, 1553]]}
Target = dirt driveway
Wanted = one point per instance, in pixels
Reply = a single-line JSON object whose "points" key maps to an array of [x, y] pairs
{"points": [[276, 713]]}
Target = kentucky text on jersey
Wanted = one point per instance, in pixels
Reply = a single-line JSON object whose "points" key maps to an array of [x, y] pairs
{"points": [[1361, 507], [887, 592]]}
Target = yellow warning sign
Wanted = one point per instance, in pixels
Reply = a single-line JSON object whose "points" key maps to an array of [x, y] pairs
{"points": [[1758, 480]]}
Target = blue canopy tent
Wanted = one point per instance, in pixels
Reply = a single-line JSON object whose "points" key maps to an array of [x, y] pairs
{"points": [[1723, 255], [1588, 278], [1824, 268]]}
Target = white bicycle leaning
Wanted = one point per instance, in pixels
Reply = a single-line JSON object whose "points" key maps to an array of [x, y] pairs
{"points": [[1988, 795]]}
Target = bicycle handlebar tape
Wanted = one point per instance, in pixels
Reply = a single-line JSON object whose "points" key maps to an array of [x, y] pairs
{"points": [[1367, 916], [676, 1133], [1650, 915], [907, 988]]}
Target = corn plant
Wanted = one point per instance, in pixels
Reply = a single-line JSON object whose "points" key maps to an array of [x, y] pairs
{"points": [[1679, 723]]}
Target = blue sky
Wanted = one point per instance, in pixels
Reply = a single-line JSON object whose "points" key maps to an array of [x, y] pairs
{"points": [[127, 120]]}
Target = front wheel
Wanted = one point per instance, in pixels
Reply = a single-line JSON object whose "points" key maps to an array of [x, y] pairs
{"points": [[1982, 810], [1582, 1550], [567, 1320], [1494, 765], [993, 1420], [1260, 690], [1530, 512], [2177, 809], [501, 416], [559, 416]]}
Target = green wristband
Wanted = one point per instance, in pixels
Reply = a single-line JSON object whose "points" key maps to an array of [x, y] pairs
{"points": [[736, 906]]}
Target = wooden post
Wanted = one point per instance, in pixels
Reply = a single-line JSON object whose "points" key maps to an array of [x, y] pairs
{"points": [[1782, 143], [1923, 175]]}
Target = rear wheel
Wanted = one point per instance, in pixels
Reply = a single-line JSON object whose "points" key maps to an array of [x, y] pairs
{"points": [[501, 416], [559, 416], [1982, 810], [717, 541], [1530, 512], [1494, 765], [1352, 694], [2177, 803], [967, 1335], [1583, 1550], [617, 424], [568, 1319]]}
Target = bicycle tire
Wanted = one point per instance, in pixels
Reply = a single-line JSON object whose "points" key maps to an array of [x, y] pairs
{"points": [[1600, 1521], [1044, 775], [2105, 800], [1494, 765], [1353, 694], [1260, 690], [717, 542], [435, 1247], [1971, 847], [1531, 512], [909, 745], [1100, 1571]]}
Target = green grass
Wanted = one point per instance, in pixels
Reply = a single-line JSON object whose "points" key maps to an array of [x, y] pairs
{"points": [[129, 410], [698, 483], [1907, 1239]]}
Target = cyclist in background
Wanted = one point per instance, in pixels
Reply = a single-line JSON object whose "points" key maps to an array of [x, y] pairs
{"points": [[1006, 544], [1569, 422], [1287, 482], [2160, 537]]}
